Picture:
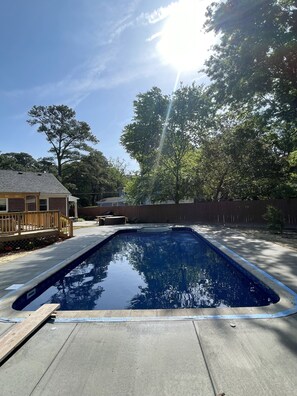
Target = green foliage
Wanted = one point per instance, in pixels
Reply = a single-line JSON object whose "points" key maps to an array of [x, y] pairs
{"points": [[92, 178], [232, 154], [240, 162], [275, 219], [118, 173], [47, 164], [26, 163], [19, 161], [67, 136], [142, 137], [255, 61], [163, 137], [137, 189]]}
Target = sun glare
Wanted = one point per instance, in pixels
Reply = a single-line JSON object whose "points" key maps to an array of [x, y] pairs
{"points": [[183, 44]]}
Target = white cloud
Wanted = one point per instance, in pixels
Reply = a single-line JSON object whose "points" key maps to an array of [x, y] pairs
{"points": [[157, 15], [154, 36]]}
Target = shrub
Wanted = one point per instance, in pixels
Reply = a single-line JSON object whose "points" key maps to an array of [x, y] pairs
{"points": [[275, 219]]}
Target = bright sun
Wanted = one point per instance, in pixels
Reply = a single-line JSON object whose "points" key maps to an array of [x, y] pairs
{"points": [[183, 44]]}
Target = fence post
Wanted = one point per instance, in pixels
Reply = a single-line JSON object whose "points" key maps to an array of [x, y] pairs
{"points": [[70, 228]]}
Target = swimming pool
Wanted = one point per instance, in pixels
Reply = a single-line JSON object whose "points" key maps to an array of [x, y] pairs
{"points": [[144, 269]]}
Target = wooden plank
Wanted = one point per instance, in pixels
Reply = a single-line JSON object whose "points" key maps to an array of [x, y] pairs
{"points": [[21, 331]]}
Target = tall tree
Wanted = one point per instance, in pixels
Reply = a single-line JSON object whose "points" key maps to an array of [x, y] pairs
{"points": [[91, 178], [241, 162], [255, 60], [254, 67], [142, 137], [187, 127], [163, 137], [119, 174], [67, 136]]}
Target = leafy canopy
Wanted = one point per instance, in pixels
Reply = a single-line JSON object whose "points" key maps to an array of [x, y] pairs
{"points": [[67, 136], [256, 57]]}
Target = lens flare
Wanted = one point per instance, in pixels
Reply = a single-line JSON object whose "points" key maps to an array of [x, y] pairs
{"points": [[183, 44]]}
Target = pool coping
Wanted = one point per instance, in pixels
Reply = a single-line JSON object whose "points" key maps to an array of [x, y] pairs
{"points": [[287, 305]]}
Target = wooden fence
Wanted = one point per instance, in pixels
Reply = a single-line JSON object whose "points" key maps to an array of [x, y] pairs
{"points": [[225, 212]]}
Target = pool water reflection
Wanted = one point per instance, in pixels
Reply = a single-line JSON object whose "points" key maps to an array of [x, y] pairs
{"points": [[174, 269]]}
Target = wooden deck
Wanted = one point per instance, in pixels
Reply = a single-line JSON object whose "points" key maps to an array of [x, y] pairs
{"points": [[23, 225]]}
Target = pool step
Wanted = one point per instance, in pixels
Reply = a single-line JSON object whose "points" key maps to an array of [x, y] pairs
{"points": [[21, 331], [155, 229]]}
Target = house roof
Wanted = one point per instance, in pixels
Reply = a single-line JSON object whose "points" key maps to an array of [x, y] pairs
{"points": [[72, 198], [30, 182], [112, 199]]}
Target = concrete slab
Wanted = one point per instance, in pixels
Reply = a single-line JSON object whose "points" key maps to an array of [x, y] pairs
{"points": [[4, 327], [20, 374], [128, 359], [279, 261], [256, 357]]}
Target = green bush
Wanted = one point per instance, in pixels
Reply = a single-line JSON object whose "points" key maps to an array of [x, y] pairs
{"points": [[275, 219]]}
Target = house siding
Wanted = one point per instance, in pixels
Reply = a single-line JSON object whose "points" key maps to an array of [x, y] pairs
{"points": [[16, 205], [58, 204]]}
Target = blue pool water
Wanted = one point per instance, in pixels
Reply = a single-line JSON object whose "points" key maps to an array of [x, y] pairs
{"points": [[151, 270]]}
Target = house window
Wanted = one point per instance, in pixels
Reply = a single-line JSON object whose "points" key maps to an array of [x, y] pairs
{"points": [[3, 205], [30, 203], [43, 204]]}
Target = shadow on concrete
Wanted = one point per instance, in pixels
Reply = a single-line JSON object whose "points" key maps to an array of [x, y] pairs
{"points": [[279, 261]]}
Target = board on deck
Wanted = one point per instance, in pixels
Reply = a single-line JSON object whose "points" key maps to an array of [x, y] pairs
{"points": [[21, 331]]}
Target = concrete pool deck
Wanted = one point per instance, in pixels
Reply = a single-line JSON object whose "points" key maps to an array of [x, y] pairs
{"points": [[242, 357]]}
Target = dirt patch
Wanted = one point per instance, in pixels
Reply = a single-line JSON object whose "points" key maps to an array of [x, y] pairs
{"points": [[11, 252]]}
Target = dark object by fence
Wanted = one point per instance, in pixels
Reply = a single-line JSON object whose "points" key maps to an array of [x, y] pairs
{"points": [[110, 220]]}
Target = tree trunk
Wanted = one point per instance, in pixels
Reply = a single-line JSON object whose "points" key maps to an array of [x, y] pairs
{"points": [[59, 167]]}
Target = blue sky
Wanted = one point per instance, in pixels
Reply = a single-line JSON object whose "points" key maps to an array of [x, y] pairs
{"points": [[92, 55]]}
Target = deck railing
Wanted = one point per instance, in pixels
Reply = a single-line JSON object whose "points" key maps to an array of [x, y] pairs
{"points": [[65, 226], [18, 223]]}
